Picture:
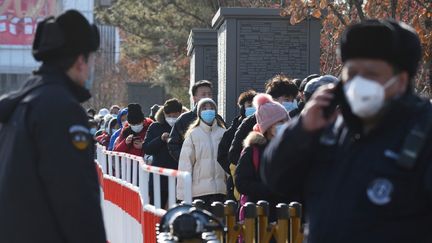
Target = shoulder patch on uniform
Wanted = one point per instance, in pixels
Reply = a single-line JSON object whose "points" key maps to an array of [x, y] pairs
{"points": [[80, 136], [379, 191]]}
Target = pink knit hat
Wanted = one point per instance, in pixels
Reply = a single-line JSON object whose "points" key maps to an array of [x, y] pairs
{"points": [[268, 112]]}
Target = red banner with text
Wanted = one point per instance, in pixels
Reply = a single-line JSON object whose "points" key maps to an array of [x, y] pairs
{"points": [[19, 18]]}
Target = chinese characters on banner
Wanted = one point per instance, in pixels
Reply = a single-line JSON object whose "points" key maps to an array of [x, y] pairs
{"points": [[19, 18]]}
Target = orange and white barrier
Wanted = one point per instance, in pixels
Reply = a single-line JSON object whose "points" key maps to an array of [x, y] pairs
{"points": [[124, 179]]}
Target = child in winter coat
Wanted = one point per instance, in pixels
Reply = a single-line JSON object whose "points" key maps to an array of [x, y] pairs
{"points": [[199, 156], [270, 117]]}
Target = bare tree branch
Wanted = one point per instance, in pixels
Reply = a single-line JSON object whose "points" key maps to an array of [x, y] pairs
{"points": [[358, 5], [184, 11], [338, 14], [394, 4]]}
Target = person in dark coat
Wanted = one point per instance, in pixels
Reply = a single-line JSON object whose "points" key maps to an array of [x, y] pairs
{"points": [[284, 91], [201, 89], [153, 111], [155, 144], [49, 190], [132, 136], [302, 87], [105, 138], [364, 170], [91, 113], [246, 110], [270, 116], [122, 122]]}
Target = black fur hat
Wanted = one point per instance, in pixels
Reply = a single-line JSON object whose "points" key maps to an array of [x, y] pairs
{"points": [[394, 42], [135, 114], [68, 35]]}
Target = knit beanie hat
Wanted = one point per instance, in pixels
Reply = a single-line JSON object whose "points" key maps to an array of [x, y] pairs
{"points": [[268, 112], [205, 101], [135, 114]]}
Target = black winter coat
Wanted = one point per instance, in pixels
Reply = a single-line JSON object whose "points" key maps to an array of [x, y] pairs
{"points": [[248, 179], [225, 144], [49, 190], [178, 131], [237, 143], [353, 186], [153, 145]]}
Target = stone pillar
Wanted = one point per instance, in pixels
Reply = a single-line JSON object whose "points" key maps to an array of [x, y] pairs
{"points": [[202, 49], [254, 44]]}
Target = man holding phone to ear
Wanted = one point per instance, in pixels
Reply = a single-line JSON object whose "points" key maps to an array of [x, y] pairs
{"points": [[363, 170]]}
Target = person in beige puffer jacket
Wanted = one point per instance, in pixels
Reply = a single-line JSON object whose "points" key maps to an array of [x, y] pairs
{"points": [[199, 156]]}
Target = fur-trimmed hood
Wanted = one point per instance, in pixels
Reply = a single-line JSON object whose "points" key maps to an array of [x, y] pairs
{"points": [[254, 138], [160, 116]]}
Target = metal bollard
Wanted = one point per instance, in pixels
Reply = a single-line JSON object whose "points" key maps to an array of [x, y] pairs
{"points": [[281, 231], [296, 234], [265, 230], [198, 203], [217, 208], [231, 221], [249, 224]]}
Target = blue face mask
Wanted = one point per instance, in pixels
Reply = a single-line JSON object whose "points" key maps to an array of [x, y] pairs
{"points": [[208, 116], [289, 106], [250, 111]]}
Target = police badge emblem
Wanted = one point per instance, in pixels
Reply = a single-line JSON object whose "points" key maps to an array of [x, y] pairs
{"points": [[80, 136], [379, 191]]}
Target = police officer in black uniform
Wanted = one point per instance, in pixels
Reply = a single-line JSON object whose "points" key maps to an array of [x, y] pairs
{"points": [[49, 189], [364, 169]]}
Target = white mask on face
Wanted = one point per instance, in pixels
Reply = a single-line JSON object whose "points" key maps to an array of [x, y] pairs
{"points": [[137, 128], [366, 97], [170, 120], [123, 123]]}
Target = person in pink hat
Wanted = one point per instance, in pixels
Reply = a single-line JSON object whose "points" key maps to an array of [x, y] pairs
{"points": [[270, 117]]}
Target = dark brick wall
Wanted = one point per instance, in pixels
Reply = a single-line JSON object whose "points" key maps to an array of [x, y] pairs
{"points": [[210, 67], [145, 95], [270, 47]]}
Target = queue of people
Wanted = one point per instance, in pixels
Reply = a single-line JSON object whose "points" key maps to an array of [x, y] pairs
{"points": [[354, 150]]}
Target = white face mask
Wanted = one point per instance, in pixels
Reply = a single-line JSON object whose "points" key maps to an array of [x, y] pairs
{"points": [[365, 96], [123, 123], [170, 120], [137, 128]]}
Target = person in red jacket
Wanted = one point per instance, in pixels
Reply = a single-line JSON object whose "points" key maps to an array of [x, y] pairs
{"points": [[132, 136]]}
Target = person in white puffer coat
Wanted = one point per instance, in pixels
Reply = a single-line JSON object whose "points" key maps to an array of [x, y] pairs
{"points": [[199, 156]]}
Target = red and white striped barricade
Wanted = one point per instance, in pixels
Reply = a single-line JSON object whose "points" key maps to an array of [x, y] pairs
{"points": [[124, 179]]}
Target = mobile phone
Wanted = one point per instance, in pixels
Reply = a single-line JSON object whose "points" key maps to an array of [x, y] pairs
{"points": [[136, 138], [337, 98]]}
